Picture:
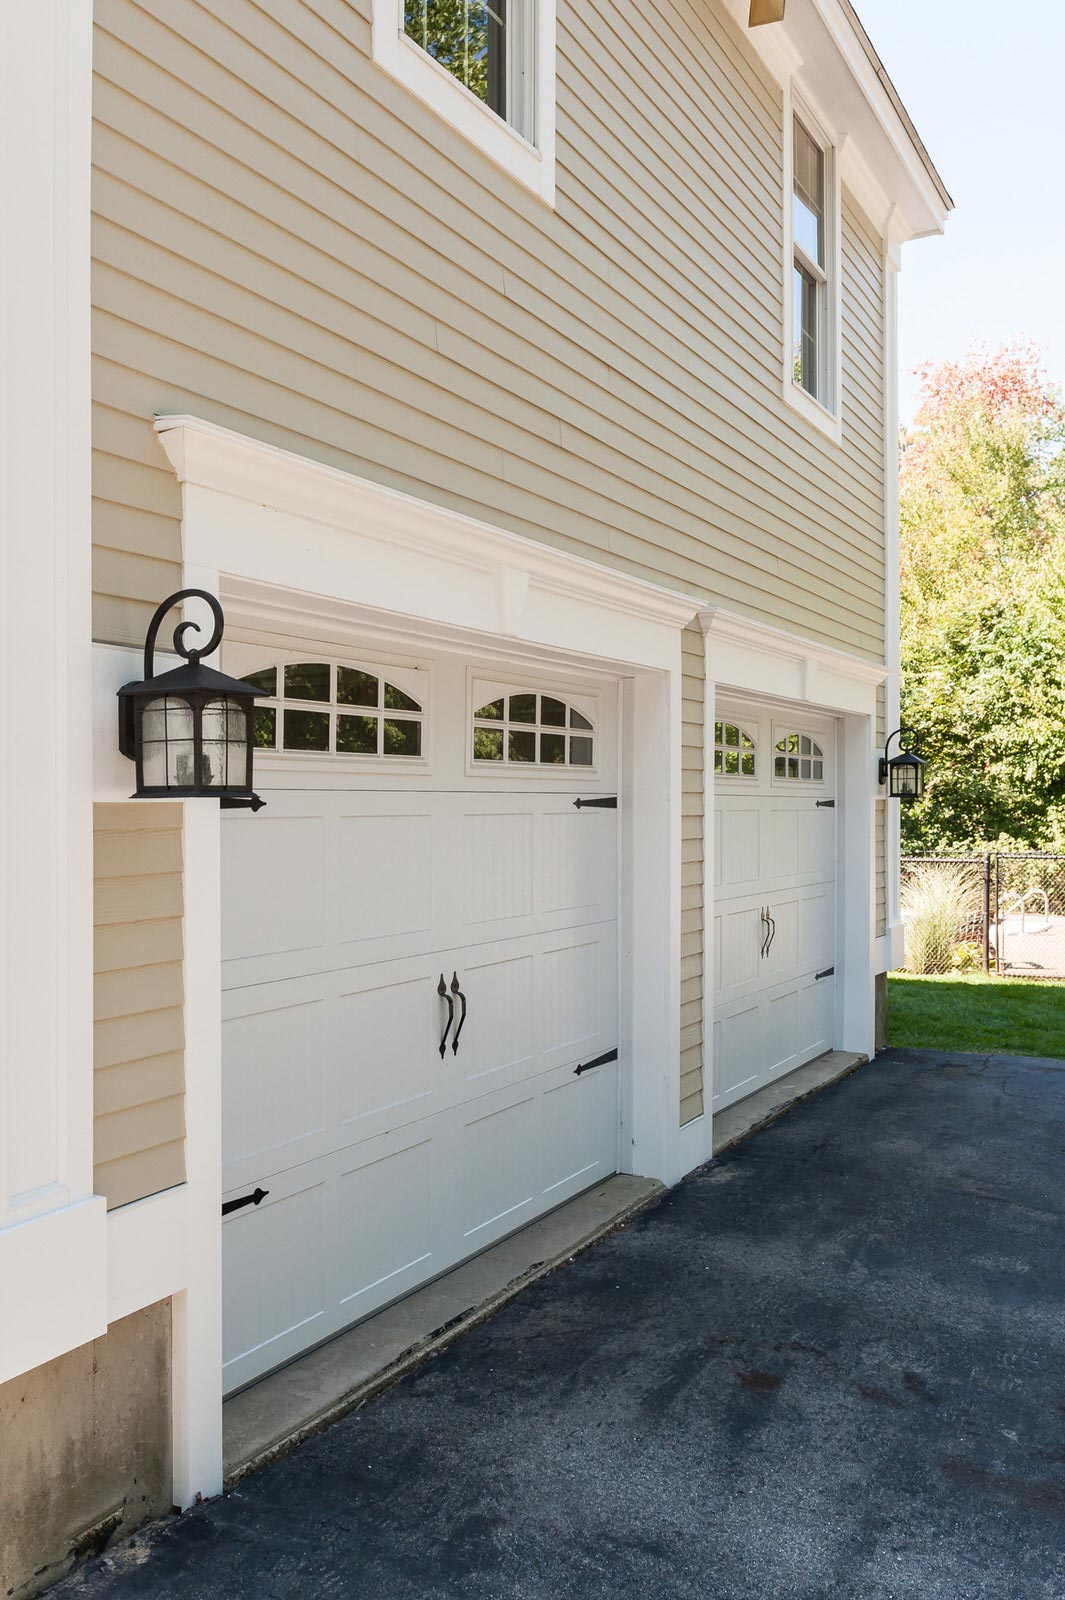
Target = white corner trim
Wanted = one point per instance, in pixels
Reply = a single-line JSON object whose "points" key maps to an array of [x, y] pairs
{"points": [[210, 457], [731, 626], [529, 161], [54, 1272]]}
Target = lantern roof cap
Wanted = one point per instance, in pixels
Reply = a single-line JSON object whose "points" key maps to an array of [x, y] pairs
{"points": [[192, 677]]}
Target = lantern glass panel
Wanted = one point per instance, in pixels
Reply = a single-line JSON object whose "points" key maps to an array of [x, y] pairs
{"points": [[225, 744], [168, 745]]}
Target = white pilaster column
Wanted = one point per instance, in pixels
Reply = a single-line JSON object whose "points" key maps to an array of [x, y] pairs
{"points": [[52, 1231]]}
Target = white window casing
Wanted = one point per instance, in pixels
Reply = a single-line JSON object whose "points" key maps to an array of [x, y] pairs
{"points": [[822, 408], [522, 142]]}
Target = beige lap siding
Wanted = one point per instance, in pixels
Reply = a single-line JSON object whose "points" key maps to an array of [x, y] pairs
{"points": [[139, 1127], [692, 850], [288, 243]]}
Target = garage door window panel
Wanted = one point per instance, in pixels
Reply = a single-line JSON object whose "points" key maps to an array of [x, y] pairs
{"points": [[735, 751], [797, 757], [329, 708], [525, 728]]}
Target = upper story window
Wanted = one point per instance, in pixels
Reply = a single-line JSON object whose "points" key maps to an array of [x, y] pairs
{"points": [[327, 708], [472, 40], [812, 339], [485, 66]]}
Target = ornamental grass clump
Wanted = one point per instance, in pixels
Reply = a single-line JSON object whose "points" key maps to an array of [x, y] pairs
{"points": [[938, 901]]}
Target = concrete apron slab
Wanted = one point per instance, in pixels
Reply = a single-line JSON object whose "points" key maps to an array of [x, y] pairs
{"points": [[274, 1414], [271, 1416], [766, 1105]]}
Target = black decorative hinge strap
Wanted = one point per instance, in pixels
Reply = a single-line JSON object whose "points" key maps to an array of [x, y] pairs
{"points": [[245, 1200], [825, 805], [599, 1061], [606, 802], [826, 972]]}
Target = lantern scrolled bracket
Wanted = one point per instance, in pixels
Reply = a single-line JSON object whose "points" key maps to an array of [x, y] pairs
{"points": [[189, 731], [903, 772]]}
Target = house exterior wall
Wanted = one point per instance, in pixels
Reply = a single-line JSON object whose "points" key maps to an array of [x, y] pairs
{"points": [[138, 982], [84, 1451], [288, 243]]}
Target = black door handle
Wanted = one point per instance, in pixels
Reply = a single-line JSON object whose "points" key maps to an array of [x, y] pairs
{"points": [[462, 1019], [763, 916], [245, 1200], [772, 930], [441, 990]]}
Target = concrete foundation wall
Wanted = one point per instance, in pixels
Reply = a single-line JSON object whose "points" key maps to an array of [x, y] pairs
{"points": [[881, 1002], [84, 1451]]}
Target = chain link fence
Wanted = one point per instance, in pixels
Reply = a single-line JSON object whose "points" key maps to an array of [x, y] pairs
{"points": [[1002, 913]]}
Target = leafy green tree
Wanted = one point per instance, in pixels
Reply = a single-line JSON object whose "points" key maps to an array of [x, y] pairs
{"points": [[982, 506]]}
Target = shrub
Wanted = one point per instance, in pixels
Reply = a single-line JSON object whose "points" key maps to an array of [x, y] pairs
{"points": [[939, 899]]}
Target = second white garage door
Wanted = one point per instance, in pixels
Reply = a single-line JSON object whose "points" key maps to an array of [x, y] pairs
{"points": [[420, 836], [774, 935]]}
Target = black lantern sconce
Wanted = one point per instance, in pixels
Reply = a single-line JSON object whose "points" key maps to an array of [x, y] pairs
{"points": [[903, 773], [190, 730]]}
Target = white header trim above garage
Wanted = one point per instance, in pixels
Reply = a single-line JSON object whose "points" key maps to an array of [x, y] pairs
{"points": [[506, 584], [764, 660]]}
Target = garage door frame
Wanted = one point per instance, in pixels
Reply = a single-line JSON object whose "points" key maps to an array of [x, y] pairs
{"points": [[293, 546], [752, 659]]}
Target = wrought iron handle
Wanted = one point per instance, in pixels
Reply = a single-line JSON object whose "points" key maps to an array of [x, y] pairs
{"points": [[441, 990], [763, 917], [255, 1199], [772, 930], [462, 1019]]}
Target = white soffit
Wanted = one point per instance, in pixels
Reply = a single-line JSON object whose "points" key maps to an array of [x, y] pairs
{"points": [[822, 46]]}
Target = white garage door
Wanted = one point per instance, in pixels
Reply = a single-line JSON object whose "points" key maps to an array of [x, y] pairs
{"points": [[774, 895], [420, 835]]}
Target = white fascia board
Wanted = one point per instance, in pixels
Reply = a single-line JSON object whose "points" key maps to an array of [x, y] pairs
{"points": [[879, 179], [506, 583]]}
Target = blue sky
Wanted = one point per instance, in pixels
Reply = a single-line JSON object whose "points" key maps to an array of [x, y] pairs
{"points": [[985, 84]]}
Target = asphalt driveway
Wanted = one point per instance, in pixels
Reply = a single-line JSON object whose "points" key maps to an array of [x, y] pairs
{"points": [[832, 1365]]}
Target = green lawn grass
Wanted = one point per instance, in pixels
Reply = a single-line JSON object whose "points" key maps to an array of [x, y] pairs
{"points": [[1011, 1016]]}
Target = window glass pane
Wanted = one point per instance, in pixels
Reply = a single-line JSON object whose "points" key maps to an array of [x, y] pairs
{"points": [[819, 770], [793, 766], [265, 725], [805, 768], [732, 761], [732, 734], [553, 748], [356, 736], [266, 680], [719, 733], [804, 745], [808, 206], [580, 752], [488, 744], [469, 39], [402, 737], [747, 766], [523, 708], [355, 688], [806, 337], [717, 760], [306, 730], [396, 700], [748, 742], [552, 712], [167, 750], [793, 743], [522, 747], [780, 766], [308, 681], [493, 712], [577, 721]]}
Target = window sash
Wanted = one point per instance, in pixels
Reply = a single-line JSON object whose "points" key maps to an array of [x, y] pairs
{"points": [[810, 279], [474, 41]]}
